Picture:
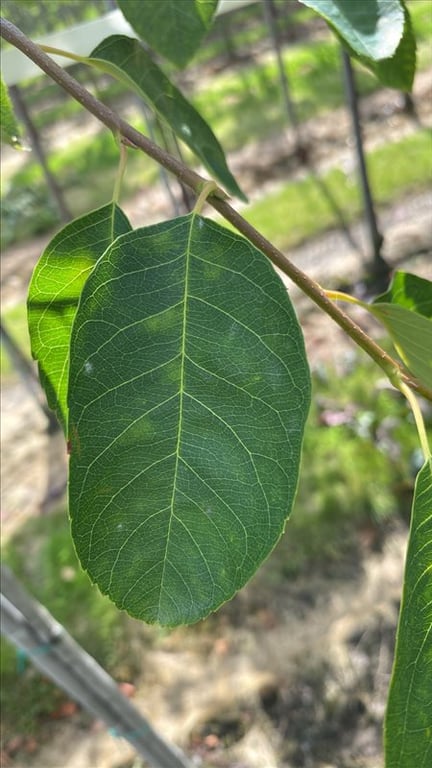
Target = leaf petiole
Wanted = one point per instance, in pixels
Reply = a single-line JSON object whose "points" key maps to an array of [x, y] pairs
{"points": [[341, 296], [418, 418], [121, 167], [208, 188], [65, 54]]}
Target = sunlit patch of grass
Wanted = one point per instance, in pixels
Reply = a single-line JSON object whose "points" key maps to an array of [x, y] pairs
{"points": [[244, 103], [86, 171], [55, 578], [43, 558], [15, 322], [360, 457], [303, 208], [421, 17]]}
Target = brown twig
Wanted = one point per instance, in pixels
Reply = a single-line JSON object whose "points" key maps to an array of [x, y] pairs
{"points": [[130, 135]]}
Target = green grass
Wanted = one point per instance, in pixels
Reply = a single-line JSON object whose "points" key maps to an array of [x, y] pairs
{"points": [[297, 211], [61, 107], [300, 209], [15, 321], [86, 172], [42, 556], [356, 474], [421, 17], [241, 104], [92, 156], [244, 104]]}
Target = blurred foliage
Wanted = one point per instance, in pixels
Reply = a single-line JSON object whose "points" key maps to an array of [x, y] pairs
{"points": [[316, 203], [27, 208], [15, 322], [36, 18], [42, 556], [250, 90], [27, 211], [312, 60], [360, 459]]}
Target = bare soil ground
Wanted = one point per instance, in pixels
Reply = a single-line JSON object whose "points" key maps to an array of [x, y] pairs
{"points": [[290, 673]]}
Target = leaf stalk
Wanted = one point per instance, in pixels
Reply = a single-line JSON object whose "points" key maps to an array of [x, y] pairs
{"points": [[120, 169], [208, 188], [418, 418]]}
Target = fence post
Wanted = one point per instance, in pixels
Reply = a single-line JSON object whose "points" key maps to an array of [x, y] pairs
{"points": [[24, 114], [379, 266], [27, 375], [28, 625], [270, 15]]}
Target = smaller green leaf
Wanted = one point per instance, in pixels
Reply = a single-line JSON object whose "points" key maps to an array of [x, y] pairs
{"points": [[378, 33], [372, 28], [10, 132], [398, 71], [174, 28], [126, 60], [406, 311], [410, 291], [55, 289], [408, 724]]}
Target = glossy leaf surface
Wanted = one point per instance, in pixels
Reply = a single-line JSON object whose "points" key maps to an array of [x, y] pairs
{"points": [[398, 71], [408, 726], [173, 28], [409, 291], [372, 28], [54, 292], [376, 32], [189, 389], [406, 311], [127, 60], [9, 129]]}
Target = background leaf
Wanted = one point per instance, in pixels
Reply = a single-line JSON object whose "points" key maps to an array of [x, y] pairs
{"points": [[189, 389], [173, 28], [54, 292], [372, 28], [410, 291], [408, 726], [378, 33], [127, 60], [398, 71], [10, 132], [405, 310]]}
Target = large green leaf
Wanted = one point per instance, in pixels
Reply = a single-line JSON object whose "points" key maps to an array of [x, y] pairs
{"points": [[174, 28], [376, 32], [54, 292], [127, 60], [9, 129], [406, 311], [189, 389], [408, 726]]}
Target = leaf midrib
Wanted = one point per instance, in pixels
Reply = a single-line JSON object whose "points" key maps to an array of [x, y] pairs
{"points": [[181, 399]]}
